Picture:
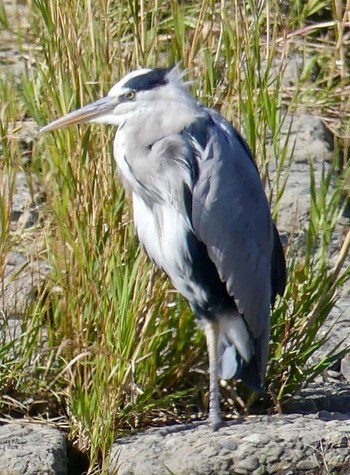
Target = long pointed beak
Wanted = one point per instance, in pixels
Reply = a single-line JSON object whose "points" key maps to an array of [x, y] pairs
{"points": [[85, 114]]}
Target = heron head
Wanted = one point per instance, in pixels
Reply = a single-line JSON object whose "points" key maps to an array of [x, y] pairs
{"points": [[139, 90]]}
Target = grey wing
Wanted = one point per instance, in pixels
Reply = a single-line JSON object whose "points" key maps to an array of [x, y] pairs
{"points": [[231, 216]]}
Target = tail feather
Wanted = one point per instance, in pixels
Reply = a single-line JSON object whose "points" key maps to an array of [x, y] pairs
{"points": [[229, 362], [250, 375], [237, 354]]}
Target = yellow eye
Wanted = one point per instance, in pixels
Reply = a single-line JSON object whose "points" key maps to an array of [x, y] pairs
{"points": [[130, 95]]}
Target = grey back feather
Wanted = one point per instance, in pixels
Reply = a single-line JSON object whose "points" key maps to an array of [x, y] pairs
{"points": [[231, 216]]}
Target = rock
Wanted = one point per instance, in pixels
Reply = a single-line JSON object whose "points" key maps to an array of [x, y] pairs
{"points": [[22, 279], [32, 449], [329, 397], [11, 58], [308, 141], [308, 138], [336, 327], [24, 132], [291, 71], [261, 444], [21, 275], [345, 367], [20, 195]]}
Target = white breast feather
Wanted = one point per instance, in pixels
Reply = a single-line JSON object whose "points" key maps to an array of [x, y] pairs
{"points": [[166, 244], [119, 155], [146, 229]]}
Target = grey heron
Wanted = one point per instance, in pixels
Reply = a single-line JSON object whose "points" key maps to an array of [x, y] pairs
{"points": [[200, 212]]}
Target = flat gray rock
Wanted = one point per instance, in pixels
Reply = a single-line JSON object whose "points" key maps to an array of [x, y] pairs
{"points": [[22, 279], [330, 397], [32, 449], [337, 326], [21, 189], [308, 142], [308, 138], [12, 61], [288, 444]]}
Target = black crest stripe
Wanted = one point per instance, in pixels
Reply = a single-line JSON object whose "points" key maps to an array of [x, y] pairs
{"points": [[150, 80]]}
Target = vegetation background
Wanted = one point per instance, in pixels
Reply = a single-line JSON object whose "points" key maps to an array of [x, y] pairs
{"points": [[108, 346]]}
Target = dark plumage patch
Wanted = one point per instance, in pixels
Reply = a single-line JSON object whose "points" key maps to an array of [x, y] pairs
{"points": [[249, 373], [244, 145], [278, 267], [187, 195], [154, 78], [200, 130], [205, 275]]}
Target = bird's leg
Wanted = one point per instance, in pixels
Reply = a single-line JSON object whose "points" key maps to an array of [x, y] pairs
{"points": [[211, 333]]}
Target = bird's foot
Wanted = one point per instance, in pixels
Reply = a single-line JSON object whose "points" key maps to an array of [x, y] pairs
{"points": [[215, 422]]}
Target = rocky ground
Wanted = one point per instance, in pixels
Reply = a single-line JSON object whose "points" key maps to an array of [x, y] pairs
{"points": [[313, 438], [278, 444]]}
